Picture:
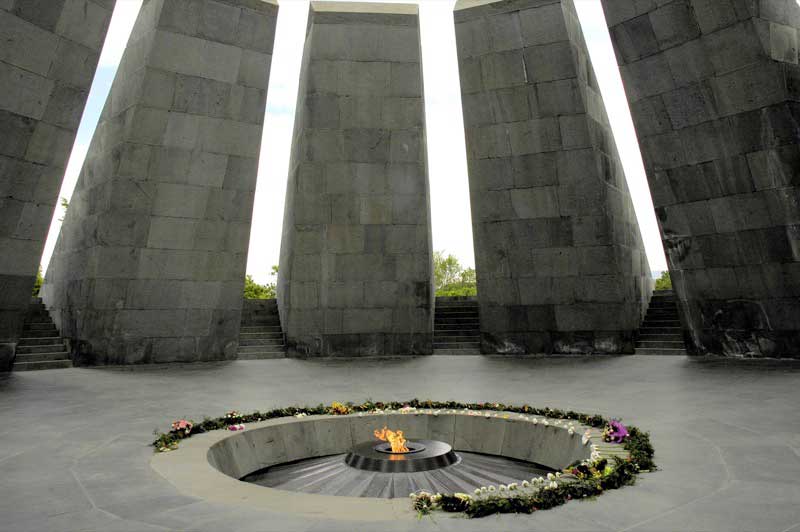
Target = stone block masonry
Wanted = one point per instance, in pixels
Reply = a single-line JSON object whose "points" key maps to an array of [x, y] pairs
{"points": [[714, 87], [150, 262], [559, 258], [355, 275], [48, 58]]}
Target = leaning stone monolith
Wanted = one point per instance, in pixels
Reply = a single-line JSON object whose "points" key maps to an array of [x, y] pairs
{"points": [[48, 56], [150, 262], [355, 275], [714, 88], [559, 258]]}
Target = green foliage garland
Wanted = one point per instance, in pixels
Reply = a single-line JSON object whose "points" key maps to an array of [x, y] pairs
{"points": [[601, 477]]}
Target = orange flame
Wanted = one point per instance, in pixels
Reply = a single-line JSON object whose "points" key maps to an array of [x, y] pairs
{"points": [[395, 438]]}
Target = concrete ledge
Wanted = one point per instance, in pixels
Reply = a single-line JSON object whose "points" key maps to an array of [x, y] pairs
{"points": [[209, 465], [461, 9], [365, 7]]}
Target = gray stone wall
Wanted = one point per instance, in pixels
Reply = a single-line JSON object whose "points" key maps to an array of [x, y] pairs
{"points": [[714, 87], [355, 275], [150, 262], [48, 57], [559, 258], [254, 310]]}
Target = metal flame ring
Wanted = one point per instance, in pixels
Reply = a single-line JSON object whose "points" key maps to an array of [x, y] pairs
{"points": [[386, 447]]}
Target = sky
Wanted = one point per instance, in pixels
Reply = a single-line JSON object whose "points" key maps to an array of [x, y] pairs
{"points": [[449, 190]]}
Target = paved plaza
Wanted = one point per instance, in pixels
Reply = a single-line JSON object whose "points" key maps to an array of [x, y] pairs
{"points": [[74, 451]]}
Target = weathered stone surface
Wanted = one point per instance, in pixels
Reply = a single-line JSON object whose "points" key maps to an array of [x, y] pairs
{"points": [[47, 61], [150, 261], [559, 258], [714, 102], [7, 356], [355, 275]]}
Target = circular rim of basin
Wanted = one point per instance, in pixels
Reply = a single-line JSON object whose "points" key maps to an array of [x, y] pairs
{"points": [[188, 468]]}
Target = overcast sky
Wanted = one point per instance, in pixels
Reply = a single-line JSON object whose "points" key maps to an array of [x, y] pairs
{"points": [[446, 152]]}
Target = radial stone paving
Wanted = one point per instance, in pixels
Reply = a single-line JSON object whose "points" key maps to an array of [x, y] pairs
{"points": [[74, 443]]}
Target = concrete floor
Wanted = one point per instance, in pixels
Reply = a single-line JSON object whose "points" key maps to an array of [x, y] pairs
{"points": [[74, 449]]}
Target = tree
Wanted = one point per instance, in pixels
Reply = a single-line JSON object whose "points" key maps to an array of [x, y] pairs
{"points": [[65, 206], [253, 290], [446, 270], [450, 278], [664, 282], [37, 285]]}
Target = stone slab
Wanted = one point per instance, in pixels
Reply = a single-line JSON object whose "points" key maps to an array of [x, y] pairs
{"points": [[49, 56], [173, 215], [550, 203], [355, 269], [710, 96]]}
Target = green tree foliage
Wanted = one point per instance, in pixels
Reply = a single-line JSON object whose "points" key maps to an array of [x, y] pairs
{"points": [[664, 282], [39, 281], [253, 290], [65, 206], [450, 278]]}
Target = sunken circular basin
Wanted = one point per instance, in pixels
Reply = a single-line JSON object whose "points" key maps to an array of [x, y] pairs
{"points": [[511, 446]]}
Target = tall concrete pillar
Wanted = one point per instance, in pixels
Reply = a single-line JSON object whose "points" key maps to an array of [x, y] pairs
{"points": [[559, 258], [713, 88], [355, 273], [150, 263], [48, 57]]}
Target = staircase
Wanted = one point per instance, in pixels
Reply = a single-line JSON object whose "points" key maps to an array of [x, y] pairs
{"points": [[456, 326], [260, 336], [41, 346], [660, 333]]}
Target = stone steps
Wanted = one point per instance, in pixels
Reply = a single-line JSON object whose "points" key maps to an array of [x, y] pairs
{"points": [[265, 355], [458, 352], [40, 325], [660, 352], [50, 332], [470, 326], [47, 364], [662, 323], [663, 311], [456, 327], [261, 336], [271, 335], [457, 345], [40, 347], [261, 348], [657, 304], [455, 331], [41, 340], [271, 329], [660, 338], [460, 338], [660, 333], [660, 344], [46, 348], [264, 323], [41, 357], [274, 340]]}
